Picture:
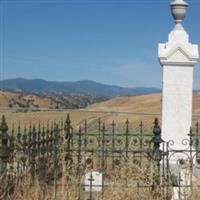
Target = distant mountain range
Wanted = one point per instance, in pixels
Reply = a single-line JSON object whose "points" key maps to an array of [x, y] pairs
{"points": [[82, 87]]}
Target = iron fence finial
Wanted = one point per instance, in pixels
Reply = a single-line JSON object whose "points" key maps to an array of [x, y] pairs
{"points": [[68, 120], [3, 126]]}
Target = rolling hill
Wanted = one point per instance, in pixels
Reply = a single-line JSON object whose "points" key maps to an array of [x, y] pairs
{"points": [[46, 100], [135, 108], [145, 103], [81, 87], [138, 108]]}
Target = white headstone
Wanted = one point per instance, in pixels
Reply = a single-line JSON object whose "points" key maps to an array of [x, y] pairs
{"points": [[177, 57], [93, 181]]}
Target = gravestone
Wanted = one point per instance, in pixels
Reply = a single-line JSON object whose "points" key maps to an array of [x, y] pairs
{"points": [[177, 57], [93, 181], [93, 185]]}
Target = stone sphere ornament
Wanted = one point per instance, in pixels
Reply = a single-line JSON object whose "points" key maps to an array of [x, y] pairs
{"points": [[179, 10]]}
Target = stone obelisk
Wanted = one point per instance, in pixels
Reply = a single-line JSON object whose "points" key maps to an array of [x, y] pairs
{"points": [[177, 57]]}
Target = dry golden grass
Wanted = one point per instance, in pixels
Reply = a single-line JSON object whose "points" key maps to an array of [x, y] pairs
{"points": [[136, 104], [6, 97], [146, 103], [122, 185], [14, 117]]}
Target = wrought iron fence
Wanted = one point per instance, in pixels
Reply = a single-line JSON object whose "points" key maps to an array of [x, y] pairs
{"points": [[91, 159]]}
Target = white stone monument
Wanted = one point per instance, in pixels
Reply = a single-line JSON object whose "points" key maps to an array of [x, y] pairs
{"points": [[177, 57]]}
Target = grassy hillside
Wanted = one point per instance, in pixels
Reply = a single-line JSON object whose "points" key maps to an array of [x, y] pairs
{"points": [[46, 100], [149, 104], [145, 103], [26, 107]]}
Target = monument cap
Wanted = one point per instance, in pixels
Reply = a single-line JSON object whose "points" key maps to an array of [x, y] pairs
{"points": [[179, 11], [179, 2]]}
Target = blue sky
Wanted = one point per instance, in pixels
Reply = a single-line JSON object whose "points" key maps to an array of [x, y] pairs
{"points": [[108, 41]]}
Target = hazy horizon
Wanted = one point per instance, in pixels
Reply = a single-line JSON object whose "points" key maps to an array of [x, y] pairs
{"points": [[15, 78]]}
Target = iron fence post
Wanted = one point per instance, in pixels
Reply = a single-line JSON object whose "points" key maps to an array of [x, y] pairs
{"points": [[141, 141], [127, 138], [99, 141], [68, 136], [4, 148], [157, 156], [33, 154], [79, 142], [85, 135], [103, 146], [24, 149], [113, 144], [55, 152], [197, 143]]}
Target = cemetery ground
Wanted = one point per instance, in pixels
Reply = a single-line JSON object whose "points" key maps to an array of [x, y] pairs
{"points": [[62, 177], [98, 143], [51, 162]]}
